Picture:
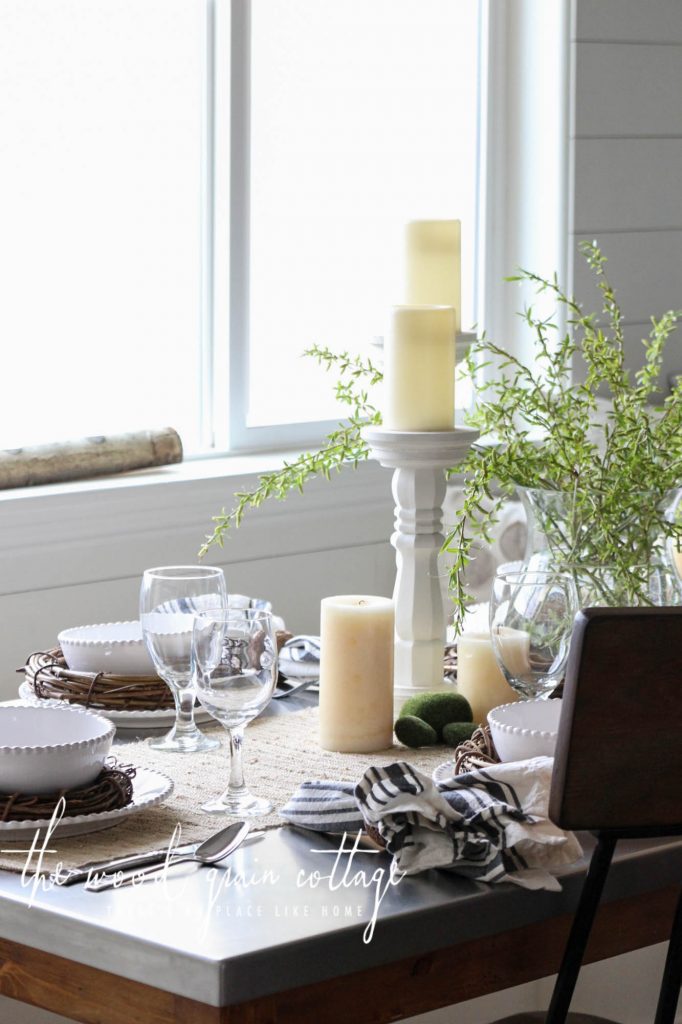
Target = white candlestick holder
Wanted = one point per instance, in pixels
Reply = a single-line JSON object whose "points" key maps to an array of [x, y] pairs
{"points": [[419, 461]]}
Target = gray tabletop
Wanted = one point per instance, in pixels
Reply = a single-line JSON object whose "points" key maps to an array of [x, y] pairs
{"points": [[220, 939], [272, 918]]}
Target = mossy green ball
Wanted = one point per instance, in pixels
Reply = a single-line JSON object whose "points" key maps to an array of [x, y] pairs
{"points": [[415, 732], [455, 733], [438, 709]]}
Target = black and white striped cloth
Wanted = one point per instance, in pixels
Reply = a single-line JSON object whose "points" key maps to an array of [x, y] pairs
{"points": [[490, 824], [299, 658]]}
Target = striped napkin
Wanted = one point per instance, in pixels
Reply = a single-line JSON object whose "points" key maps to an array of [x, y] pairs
{"points": [[299, 658], [490, 824]]}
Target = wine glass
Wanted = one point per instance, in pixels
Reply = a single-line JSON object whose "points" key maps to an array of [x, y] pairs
{"points": [[235, 659], [531, 622], [171, 597]]}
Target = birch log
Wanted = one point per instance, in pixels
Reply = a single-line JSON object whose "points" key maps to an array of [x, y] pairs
{"points": [[88, 456]]}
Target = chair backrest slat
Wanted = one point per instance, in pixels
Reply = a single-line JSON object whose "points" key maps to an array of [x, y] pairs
{"points": [[618, 762]]}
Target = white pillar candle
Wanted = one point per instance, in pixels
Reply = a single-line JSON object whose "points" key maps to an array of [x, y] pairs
{"points": [[356, 674], [433, 265], [419, 369], [479, 677]]}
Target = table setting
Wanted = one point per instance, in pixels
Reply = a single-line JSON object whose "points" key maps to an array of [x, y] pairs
{"points": [[377, 723], [323, 768], [202, 740]]}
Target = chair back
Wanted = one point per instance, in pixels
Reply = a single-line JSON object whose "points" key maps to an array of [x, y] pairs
{"points": [[618, 762]]}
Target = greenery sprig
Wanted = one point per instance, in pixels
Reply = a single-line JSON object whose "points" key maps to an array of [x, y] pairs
{"points": [[543, 431], [613, 472], [344, 446]]}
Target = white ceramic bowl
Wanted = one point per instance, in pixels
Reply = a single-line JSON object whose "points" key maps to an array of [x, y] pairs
{"points": [[116, 648], [526, 728], [45, 749]]}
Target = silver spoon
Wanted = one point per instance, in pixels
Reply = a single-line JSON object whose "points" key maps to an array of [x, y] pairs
{"points": [[210, 851]]}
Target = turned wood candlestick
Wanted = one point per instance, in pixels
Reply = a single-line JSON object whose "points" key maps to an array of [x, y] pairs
{"points": [[419, 461]]}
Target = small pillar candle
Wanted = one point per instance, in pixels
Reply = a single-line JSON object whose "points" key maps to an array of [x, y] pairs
{"points": [[356, 674], [433, 265], [419, 369], [479, 677]]}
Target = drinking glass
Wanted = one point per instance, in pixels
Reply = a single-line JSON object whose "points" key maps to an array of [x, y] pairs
{"points": [[531, 622], [235, 658], [171, 597]]}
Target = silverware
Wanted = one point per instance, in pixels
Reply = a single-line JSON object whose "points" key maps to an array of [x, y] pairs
{"points": [[279, 694], [133, 860], [212, 850], [363, 841]]}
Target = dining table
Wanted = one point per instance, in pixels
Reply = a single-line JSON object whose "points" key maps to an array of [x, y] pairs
{"points": [[302, 926]]}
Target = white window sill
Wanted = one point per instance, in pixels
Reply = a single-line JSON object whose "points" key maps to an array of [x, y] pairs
{"points": [[223, 467]]}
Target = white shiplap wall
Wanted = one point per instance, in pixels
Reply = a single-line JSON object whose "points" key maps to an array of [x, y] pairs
{"points": [[628, 158]]}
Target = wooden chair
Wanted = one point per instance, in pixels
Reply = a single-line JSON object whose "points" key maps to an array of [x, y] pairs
{"points": [[618, 768]]}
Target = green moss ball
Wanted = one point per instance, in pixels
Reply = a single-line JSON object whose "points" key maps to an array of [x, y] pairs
{"points": [[438, 709], [414, 732], [455, 733]]}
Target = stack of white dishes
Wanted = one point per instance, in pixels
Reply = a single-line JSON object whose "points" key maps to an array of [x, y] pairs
{"points": [[44, 750]]}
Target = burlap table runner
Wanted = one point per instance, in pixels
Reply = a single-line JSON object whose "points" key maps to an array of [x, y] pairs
{"points": [[279, 753]]}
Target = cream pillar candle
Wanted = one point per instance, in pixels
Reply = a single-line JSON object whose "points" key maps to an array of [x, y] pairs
{"points": [[356, 674], [479, 677], [433, 265], [419, 369]]}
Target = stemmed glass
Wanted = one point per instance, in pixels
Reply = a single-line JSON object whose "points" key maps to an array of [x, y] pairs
{"points": [[171, 597], [235, 659], [531, 622]]}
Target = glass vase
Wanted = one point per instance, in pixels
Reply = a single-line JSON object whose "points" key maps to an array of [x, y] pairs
{"points": [[568, 536], [673, 541]]}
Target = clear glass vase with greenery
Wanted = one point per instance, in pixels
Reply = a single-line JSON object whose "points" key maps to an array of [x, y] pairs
{"points": [[543, 431]]}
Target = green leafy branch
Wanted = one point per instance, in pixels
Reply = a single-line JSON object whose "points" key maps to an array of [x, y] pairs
{"points": [[344, 445], [544, 432]]}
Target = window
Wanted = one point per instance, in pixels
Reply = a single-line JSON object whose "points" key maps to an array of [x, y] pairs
{"points": [[100, 214], [192, 192]]}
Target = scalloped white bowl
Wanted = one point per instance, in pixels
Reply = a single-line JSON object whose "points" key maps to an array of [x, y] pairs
{"points": [[526, 728], [46, 749], [116, 648]]}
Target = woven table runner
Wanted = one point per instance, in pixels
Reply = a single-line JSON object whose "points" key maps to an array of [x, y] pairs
{"points": [[280, 752]]}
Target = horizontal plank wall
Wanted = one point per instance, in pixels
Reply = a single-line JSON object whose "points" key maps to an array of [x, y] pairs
{"points": [[628, 159], [77, 557]]}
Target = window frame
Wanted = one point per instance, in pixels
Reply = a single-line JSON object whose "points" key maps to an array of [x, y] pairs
{"points": [[507, 140], [239, 436], [527, 62]]}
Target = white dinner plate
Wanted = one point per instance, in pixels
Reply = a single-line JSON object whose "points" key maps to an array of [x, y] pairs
{"points": [[149, 789], [163, 718], [445, 772]]}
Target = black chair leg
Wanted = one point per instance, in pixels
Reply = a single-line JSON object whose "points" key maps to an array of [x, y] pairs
{"points": [[672, 973], [580, 930]]}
